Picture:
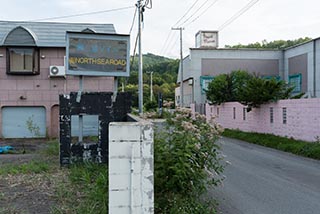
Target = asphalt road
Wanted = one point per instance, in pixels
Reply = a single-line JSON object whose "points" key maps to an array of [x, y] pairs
{"points": [[260, 180]]}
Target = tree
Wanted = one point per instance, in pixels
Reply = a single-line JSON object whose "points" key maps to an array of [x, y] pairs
{"points": [[258, 91], [165, 72], [226, 87], [247, 89]]}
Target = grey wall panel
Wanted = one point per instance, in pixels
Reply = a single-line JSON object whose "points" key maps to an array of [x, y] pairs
{"points": [[263, 67], [299, 65], [23, 122]]}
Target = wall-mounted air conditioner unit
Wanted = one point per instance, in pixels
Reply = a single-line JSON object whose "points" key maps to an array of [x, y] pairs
{"points": [[57, 71]]}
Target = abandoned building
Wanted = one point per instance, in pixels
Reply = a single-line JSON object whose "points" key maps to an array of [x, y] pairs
{"points": [[32, 75], [298, 65]]}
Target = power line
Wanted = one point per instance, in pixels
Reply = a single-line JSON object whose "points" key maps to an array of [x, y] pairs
{"points": [[166, 43], [134, 51], [213, 3], [238, 14], [195, 12], [83, 14], [172, 45], [186, 12], [168, 39], [134, 18]]}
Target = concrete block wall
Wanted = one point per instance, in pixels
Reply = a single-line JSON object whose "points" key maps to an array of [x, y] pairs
{"points": [[42, 90], [131, 168], [303, 118]]}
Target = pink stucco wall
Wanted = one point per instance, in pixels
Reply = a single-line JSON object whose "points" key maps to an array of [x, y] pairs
{"points": [[41, 90], [303, 118]]}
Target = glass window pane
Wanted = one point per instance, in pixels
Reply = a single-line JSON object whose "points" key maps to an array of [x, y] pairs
{"points": [[16, 60], [21, 59]]}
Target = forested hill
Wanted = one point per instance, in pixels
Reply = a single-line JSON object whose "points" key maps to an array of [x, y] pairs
{"points": [[155, 63], [165, 71]]}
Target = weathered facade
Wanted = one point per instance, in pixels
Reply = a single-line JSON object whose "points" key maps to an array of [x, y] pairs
{"points": [[29, 94], [299, 65]]}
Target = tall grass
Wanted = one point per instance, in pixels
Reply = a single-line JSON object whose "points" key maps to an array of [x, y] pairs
{"points": [[85, 190], [298, 147]]}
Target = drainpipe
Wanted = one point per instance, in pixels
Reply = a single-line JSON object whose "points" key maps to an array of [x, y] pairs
{"points": [[314, 68]]}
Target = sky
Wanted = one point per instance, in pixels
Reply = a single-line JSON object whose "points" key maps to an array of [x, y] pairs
{"points": [[266, 20]]}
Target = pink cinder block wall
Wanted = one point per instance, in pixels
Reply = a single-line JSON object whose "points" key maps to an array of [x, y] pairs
{"points": [[41, 90], [303, 118]]}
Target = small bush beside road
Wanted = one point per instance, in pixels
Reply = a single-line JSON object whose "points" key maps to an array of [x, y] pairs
{"points": [[298, 147], [186, 163]]}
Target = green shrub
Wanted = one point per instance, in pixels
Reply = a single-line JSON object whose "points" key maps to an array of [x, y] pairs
{"points": [[151, 105], [186, 163]]}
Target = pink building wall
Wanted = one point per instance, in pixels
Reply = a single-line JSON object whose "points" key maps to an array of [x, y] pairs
{"points": [[303, 118], [41, 90]]}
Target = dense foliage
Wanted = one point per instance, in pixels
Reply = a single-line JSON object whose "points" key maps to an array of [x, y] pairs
{"points": [[247, 89], [258, 91], [186, 164], [276, 44], [164, 77], [227, 87]]}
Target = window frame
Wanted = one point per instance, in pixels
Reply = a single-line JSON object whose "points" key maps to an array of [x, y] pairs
{"points": [[294, 76], [205, 81], [35, 61]]}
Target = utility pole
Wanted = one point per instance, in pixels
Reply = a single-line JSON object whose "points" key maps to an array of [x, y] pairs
{"points": [[140, 74], [181, 66]]}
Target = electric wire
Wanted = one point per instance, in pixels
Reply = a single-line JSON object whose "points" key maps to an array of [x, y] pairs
{"points": [[165, 44], [172, 43], [213, 3], [199, 8], [184, 15], [83, 14], [134, 51], [133, 20], [238, 14], [193, 14]]}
